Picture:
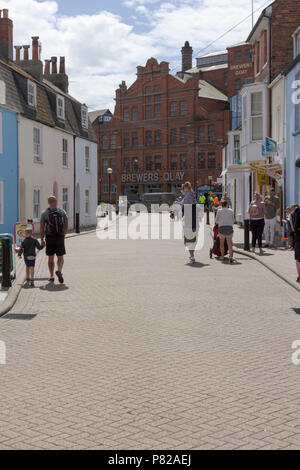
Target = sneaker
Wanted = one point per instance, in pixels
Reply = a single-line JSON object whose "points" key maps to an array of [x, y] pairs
{"points": [[192, 260], [51, 279], [266, 245], [291, 248], [60, 277], [32, 284], [298, 280]]}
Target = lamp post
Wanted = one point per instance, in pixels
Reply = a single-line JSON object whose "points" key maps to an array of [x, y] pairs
{"points": [[109, 172]]}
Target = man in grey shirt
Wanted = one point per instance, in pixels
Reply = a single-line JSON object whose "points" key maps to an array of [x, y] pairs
{"points": [[53, 229]]}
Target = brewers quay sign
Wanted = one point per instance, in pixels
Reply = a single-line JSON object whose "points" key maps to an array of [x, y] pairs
{"points": [[153, 177]]}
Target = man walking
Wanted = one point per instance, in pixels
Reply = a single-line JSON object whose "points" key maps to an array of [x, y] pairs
{"points": [[54, 226], [272, 204]]}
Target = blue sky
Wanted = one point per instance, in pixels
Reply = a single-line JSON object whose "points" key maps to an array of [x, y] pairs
{"points": [[105, 40]]}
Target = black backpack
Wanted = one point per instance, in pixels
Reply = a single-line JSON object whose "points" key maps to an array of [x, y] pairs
{"points": [[56, 223]]}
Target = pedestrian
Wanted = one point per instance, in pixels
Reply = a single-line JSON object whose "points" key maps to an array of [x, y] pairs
{"points": [[257, 221], [225, 221], [53, 229], [190, 220], [294, 219], [272, 204], [226, 198], [287, 222], [28, 249]]}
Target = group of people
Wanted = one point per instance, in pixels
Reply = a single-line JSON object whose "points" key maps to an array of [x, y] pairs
{"points": [[53, 229], [263, 216]]}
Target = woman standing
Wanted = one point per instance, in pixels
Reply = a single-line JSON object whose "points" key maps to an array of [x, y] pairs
{"points": [[190, 219], [225, 221], [257, 221]]}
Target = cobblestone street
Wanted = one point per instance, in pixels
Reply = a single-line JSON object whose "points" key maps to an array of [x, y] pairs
{"points": [[141, 351]]}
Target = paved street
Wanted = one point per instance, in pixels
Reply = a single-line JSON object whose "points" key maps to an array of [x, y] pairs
{"points": [[140, 350]]}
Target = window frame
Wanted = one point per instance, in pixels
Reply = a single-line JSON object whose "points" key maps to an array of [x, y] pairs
{"points": [[65, 153], [87, 159], [65, 203], [84, 117], [37, 157], [36, 215], [61, 115], [29, 94]]}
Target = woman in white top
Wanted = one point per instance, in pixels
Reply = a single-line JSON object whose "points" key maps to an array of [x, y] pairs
{"points": [[225, 221]]}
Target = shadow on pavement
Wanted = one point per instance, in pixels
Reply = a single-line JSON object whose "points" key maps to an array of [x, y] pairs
{"points": [[197, 265], [18, 316], [54, 287]]}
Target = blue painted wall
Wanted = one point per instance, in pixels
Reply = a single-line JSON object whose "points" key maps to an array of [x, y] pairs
{"points": [[9, 170], [293, 141]]}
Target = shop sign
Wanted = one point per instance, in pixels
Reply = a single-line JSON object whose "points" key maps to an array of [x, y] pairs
{"points": [[153, 177]]}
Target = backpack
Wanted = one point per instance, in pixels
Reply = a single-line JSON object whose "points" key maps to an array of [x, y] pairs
{"points": [[295, 219], [56, 223]]}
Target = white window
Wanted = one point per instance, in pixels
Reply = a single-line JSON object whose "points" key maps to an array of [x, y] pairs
{"points": [[65, 199], [87, 201], [37, 144], [2, 92], [60, 107], [65, 155], [31, 93], [1, 203], [36, 203], [84, 117], [87, 159], [236, 148], [256, 116]]}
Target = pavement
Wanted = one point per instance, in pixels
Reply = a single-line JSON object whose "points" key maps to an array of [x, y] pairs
{"points": [[139, 350], [279, 260]]}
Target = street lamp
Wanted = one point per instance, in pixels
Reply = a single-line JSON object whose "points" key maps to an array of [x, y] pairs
{"points": [[109, 172]]}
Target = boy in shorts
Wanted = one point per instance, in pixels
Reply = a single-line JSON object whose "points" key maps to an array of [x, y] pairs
{"points": [[28, 249]]}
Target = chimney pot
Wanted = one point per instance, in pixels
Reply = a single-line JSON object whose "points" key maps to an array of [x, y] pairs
{"points": [[54, 65], [47, 66], [18, 52], [5, 13], [35, 48], [6, 35], [26, 52], [62, 65]]}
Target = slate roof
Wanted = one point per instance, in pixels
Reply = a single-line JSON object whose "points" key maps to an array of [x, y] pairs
{"points": [[16, 81]]}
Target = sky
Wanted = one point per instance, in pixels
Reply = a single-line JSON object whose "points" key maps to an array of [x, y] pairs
{"points": [[105, 40]]}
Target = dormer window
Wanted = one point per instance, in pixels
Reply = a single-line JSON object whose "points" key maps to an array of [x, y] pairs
{"points": [[31, 94], [84, 117], [60, 107]]}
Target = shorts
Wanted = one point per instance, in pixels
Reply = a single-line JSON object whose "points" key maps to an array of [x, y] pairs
{"points": [[225, 236], [55, 246], [30, 263]]}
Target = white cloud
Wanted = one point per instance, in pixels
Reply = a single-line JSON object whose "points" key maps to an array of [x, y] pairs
{"points": [[101, 49]]}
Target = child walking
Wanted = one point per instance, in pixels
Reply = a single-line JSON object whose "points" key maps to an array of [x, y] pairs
{"points": [[28, 249]]}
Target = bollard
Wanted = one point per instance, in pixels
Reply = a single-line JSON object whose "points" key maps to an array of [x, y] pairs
{"points": [[207, 217], [246, 235], [77, 223], [6, 263]]}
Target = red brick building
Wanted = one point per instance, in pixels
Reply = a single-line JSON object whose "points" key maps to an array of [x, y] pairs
{"points": [[165, 130]]}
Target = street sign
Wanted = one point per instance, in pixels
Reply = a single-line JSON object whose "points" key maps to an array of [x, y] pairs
{"points": [[271, 146], [263, 151]]}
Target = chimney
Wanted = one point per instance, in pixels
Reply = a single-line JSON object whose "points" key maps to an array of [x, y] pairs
{"points": [[62, 65], [35, 48], [6, 36], [61, 79], [47, 66], [54, 65], [187, 57], [26, 52], [18, 52]]}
